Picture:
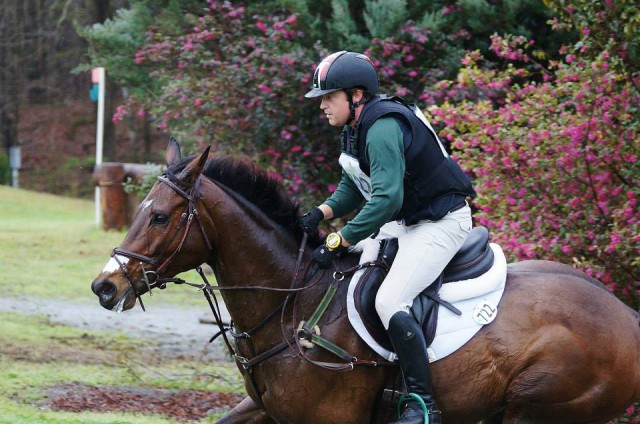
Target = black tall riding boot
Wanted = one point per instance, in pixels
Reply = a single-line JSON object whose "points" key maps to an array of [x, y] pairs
{"points": [[408, 341]]}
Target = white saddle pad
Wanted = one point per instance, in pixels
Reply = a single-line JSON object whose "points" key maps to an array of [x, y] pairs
{"points": [[477, 298]]}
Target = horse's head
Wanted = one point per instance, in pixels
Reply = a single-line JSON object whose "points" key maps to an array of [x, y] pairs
{"points": [[157, 245]]}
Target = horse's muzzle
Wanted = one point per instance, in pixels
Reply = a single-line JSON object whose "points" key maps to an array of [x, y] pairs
{"points": [[105, 290]]}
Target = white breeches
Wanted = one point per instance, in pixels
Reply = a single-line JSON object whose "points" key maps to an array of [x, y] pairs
{"points": [[424, 251]]}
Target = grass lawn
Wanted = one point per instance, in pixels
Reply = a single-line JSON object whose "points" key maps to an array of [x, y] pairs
{"points": [[50, 247]]}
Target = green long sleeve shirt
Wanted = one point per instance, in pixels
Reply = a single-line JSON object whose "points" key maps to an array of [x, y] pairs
{"points": [[385, 152]]}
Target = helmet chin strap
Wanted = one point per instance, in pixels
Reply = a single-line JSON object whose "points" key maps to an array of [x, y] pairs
{"points": [[354, 105]]}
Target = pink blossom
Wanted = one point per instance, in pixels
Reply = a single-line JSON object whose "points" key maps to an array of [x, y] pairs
{"points": [[121, 112], [286, 135], [291, 20], [261, 26], [273, 153]]}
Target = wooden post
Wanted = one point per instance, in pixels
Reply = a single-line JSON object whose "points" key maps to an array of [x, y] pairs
{"points": [[109, 178], [116, 206]]}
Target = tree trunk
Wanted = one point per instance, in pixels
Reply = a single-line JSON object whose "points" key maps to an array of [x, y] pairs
{"points": [[11, 74]]}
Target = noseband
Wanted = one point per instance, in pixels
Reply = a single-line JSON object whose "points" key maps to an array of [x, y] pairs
{"points": [[186, 219]]}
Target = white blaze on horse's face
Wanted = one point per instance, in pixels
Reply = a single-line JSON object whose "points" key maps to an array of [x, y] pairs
{"points": [[113, 265], [144, 205]]}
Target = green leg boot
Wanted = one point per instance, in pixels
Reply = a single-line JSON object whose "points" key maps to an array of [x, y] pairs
{"points": [[408, 341]]}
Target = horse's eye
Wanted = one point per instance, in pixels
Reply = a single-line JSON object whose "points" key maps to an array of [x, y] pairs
{"points": [[159, 219]]}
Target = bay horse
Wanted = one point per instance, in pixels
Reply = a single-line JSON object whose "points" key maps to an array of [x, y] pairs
{"points": [[562, 349]]}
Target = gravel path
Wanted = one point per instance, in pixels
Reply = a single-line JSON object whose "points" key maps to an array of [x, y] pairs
{"points": [[177, 331]]}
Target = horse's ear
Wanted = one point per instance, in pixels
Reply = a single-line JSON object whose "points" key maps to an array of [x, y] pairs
{"points": [[194, 168], [172, 154]]}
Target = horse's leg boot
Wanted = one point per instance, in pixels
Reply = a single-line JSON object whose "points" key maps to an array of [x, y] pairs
{"points": [[408, 341]]}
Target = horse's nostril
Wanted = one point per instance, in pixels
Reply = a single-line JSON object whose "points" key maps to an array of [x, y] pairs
{"points": [[103, 288], [107, 289]]}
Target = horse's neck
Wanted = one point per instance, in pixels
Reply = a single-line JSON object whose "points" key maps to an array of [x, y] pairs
{"points": [[251, 250], [245, 262]]}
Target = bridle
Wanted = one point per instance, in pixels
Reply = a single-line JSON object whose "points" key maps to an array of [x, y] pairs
{"points": [[186, 220]]}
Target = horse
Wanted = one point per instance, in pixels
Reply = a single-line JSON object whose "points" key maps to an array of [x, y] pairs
{"points": [[562, 350]]}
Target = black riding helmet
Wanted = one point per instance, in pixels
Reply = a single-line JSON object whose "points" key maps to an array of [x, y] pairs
{"points": [[345, 70], [341, 71]]}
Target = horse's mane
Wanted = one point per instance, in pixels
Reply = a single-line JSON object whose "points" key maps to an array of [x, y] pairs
{"points": [[253, 183]]}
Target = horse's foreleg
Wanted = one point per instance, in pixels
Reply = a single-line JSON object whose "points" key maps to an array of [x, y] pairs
{"points": [[246, 412]]}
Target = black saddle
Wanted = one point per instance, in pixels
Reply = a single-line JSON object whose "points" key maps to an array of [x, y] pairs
{"points": [[474, 258]]}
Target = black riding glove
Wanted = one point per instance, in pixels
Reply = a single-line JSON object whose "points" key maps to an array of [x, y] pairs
{"points": [[311, 220], [324, 254]]}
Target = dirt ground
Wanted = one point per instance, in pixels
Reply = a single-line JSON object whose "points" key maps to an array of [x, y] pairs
{"points": [[173, 332], [176, 332], [183, 405]]}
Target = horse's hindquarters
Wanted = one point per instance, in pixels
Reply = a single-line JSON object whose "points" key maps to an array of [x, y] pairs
{"points": [[562, 350]]}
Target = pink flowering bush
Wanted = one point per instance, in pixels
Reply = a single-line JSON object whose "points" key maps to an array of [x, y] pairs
{"points": [[611, 25], [555, 161], [405, 61], [237, 82], [555, 157]]}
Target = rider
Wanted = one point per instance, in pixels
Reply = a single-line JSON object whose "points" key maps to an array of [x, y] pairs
{"points": [[394, 163]]}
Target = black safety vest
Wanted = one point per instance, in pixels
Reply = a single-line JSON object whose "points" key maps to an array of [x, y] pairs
{"points": [[432, 179]]}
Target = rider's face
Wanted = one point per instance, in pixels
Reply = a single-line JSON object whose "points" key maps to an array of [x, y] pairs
{"points": [[336, 106]]}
